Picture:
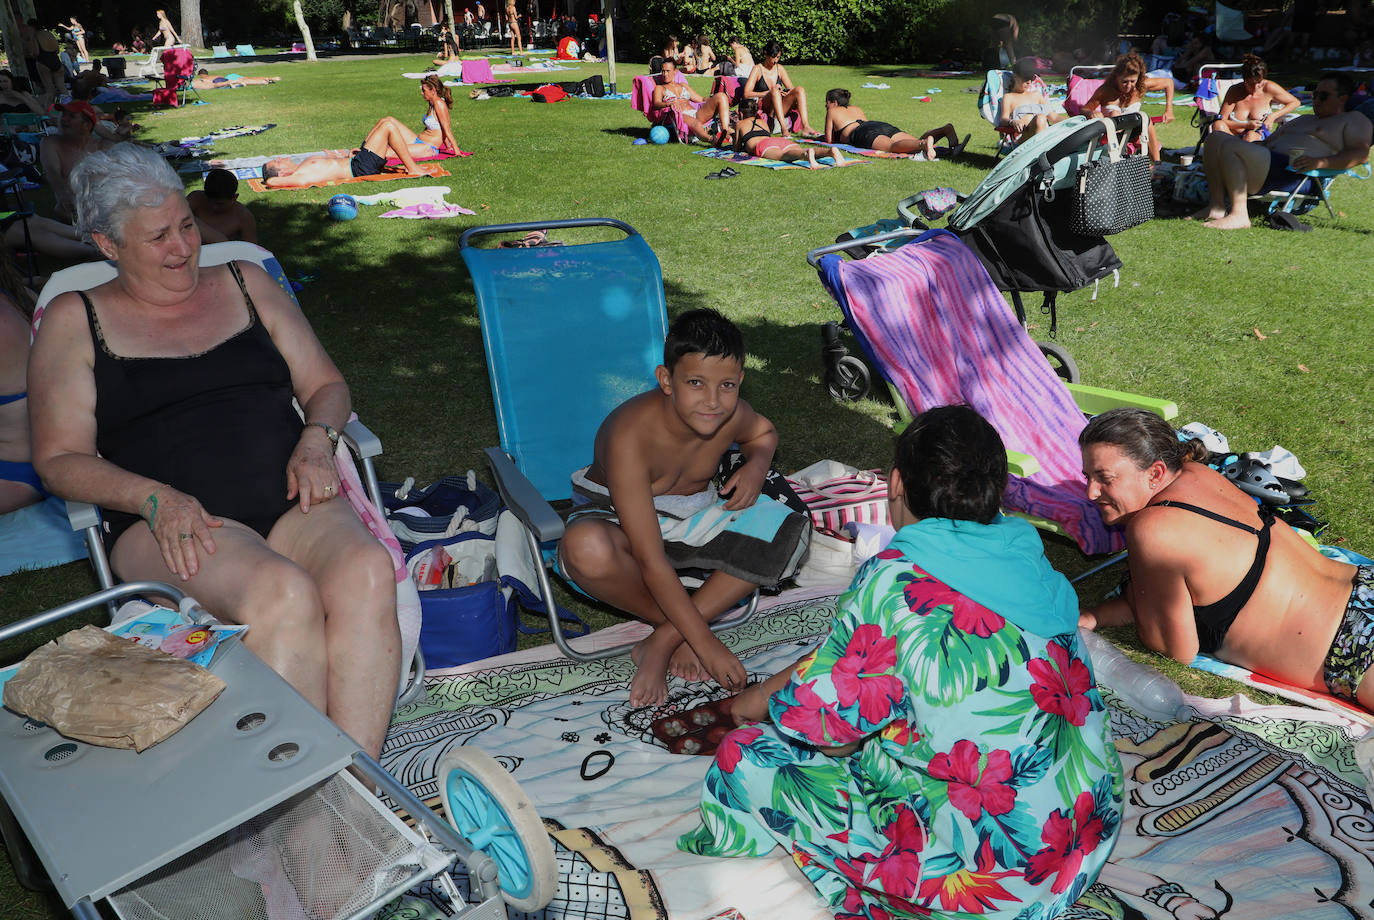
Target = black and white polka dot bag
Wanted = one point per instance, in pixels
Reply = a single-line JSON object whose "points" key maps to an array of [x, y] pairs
{"points": [[1113, 191]]}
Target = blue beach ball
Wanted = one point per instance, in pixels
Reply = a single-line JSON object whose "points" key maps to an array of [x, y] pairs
{"points": [[658, 134], [343, 207]]}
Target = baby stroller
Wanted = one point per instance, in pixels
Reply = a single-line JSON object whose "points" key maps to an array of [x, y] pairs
{"points": [[1018, 219]]}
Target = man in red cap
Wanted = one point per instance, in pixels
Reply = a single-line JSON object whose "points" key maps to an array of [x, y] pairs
{"points": [[59, 154]]}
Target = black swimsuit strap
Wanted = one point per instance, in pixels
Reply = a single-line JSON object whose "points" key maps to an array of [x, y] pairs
{"points": [[1266, 516], [243, 289]]}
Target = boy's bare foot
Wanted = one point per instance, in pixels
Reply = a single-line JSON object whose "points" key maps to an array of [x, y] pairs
{"points": [[649, 687], [684, 663], [1238, 221]]}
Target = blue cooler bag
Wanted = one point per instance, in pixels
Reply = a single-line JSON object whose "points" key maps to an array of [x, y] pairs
{"points": [[453, 505], [469, 592]]}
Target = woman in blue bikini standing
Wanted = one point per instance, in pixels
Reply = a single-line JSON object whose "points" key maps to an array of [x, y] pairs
{"points": [[1211, 571]]}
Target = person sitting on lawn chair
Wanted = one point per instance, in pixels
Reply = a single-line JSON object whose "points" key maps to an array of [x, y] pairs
{"points": [[648, 497], [1123, 92], [383, 141], [1329, 138], [697, 113], [165, 396], [1246, 110], [846, 124], [1025, 110], [1212, 572]]}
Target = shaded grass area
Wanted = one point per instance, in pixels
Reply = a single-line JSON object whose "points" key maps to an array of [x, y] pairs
{"points": [[1262, 335]]}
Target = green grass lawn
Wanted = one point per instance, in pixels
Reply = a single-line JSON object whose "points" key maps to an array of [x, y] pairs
{"points": [[1257, 333]]}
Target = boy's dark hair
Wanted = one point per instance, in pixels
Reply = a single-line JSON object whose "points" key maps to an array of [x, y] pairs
{"points": [[1026, 68], [1344, 85], [702, 332], [221, 184], [269, 172], [838, 96], [953, 465]]}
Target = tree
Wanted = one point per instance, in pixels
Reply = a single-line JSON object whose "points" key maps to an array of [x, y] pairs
{"points": [[190, 30], [305, 31]]}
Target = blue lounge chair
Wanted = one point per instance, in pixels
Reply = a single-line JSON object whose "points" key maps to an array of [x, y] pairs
{"points": [[570, 333]]}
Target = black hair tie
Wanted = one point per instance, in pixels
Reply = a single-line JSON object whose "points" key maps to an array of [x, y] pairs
{"points": [[586, 761]]}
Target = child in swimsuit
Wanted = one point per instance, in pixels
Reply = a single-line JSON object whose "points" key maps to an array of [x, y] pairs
{"points": [[752, 136]]}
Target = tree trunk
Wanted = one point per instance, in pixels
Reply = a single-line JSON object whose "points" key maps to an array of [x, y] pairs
{"points": [[305, 31], [24, 10], [190, 24], [448, 14], [14, 46]]}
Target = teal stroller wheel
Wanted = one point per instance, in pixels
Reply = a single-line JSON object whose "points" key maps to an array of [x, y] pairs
{"points": [[491, 811]]}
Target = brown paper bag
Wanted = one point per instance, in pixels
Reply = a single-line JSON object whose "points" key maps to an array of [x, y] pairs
{"points": [[107, 690]]}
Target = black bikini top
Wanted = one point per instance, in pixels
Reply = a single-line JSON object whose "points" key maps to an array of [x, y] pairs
{"points": [[1214, 620]]}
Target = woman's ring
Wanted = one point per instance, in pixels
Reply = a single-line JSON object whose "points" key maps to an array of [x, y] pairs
{"points": [[186, 536], [328, 490]]}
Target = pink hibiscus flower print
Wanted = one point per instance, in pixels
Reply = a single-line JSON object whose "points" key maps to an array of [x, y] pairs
{"points": [[863, 673], [923, 593], [1061, 687], [971, 791], [1068, 838], [889, 553], [817, 721], [899, 868], [972, 617], [729, 753]]}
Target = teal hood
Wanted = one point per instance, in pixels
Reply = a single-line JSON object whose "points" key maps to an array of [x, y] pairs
{"points": [[1001, 565]]}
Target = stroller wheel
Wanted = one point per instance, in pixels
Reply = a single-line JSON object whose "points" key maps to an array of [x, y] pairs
{"points": [[848, 380], [493, 813], [1060, 360]]}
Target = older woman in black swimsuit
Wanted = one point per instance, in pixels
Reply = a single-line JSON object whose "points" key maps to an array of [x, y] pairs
{"points": [[845, 124], [1211, 571], [165, 397], [770, 84]]}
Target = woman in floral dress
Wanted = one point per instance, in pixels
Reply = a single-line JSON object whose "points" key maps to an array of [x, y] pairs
{"points": [[945, 751]]}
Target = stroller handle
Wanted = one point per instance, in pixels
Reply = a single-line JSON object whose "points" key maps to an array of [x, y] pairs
{"points": [[526, 226], [813, 257]]}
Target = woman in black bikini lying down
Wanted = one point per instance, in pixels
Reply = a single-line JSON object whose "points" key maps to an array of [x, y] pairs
{"points": [[845, 124], [1211, 571], [752, 136]]}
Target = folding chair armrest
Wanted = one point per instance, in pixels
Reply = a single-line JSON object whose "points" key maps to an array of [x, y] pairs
{"points": [[85, 519], [1095, 400], [82, 515], [360, 439], [1019, 464], [523, 499]]}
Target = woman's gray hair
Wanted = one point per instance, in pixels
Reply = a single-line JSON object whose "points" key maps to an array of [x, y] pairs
{"points": [[108, 184]]}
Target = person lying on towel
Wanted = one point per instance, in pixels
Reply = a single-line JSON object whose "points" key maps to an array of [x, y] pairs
{"points": [[1213, 572], [648, 506], [385, 140], [944, 752], [846, 124]]}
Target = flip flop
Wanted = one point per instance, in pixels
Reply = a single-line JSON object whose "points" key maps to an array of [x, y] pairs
{"points": [[958, 148], [729, 172], [714, 175]]}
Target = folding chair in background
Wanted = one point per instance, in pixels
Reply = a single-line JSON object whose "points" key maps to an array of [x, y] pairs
{"points": [[178, 74], [220, 51], [245, 51], [570, 332], [1213, 82]]}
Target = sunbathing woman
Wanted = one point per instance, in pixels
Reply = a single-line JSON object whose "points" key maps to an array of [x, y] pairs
{"points": [[517, 42], [845, 124], [204, 80], [1247, 109], [1124, 90], [1025, 110], [697, 113], [752, 136], [437, 137], [165, 30], [19, 484], [1213, 572], [770, 84]]}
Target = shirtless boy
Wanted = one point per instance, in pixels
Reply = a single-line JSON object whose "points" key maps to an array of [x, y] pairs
{"points": [[383, 141], [661, 448], [59, 154], [1330, 138], [218, 208], [696, 111]]}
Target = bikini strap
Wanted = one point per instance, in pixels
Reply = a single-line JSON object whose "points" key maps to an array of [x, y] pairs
{"points": [[243, 288], [1266, 516]]}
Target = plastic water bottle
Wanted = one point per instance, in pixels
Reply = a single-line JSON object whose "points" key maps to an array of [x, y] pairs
{"points": [[1142, 687]]}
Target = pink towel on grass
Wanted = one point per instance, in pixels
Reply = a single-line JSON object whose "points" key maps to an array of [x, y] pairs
{"points": [[941, 332], [478, 71]]}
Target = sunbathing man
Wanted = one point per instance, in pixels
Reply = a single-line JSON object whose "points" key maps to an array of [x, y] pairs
{"points": [[697, 112], [651, 502], [383, 141], [203, 80], [1330, 138], [1024, 107]]}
